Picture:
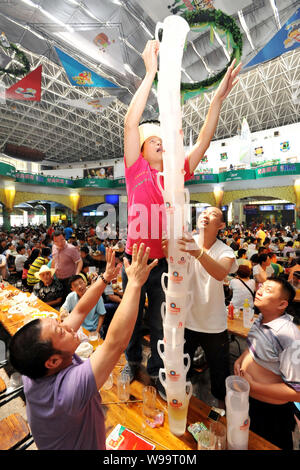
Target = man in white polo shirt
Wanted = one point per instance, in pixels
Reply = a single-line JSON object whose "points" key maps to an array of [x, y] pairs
{"points": [[206, 322]]}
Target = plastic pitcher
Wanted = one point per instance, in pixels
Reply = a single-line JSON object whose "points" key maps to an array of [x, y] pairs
{"points": [[237, 410]]}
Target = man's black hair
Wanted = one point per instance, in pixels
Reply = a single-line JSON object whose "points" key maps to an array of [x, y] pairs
{"points": [[73, 279], [262, 258], [28, 353], [241, 252], [46, 252], [286, 287], [57, 233]]}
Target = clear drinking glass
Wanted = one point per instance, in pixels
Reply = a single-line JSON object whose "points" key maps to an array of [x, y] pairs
{"points": [[219, 431], [149, 401], [123, 387], [206, 440], [109, 382]]}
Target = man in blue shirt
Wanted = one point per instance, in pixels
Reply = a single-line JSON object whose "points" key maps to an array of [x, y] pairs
{"points": [[95, 317], [68, 232]]}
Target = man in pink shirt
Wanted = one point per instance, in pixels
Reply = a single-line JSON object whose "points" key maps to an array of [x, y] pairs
{"points": [[66, 260], [143, 160]]}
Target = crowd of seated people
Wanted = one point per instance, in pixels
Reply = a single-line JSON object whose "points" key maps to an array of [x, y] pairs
{"points": [[26, 258], [269, 252]]}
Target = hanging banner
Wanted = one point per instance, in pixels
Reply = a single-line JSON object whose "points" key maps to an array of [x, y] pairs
{"points": [[287, 39], [27, 89], [100, 172], [80, 75], [159, 9], [245, 143], [100, 42], [94, 105]]}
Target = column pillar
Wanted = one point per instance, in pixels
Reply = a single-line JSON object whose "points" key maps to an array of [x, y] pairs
{"points": [[48, 214], [6, 218], [297, 211]]}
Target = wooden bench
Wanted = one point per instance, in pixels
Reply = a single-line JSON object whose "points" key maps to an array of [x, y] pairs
{"points": [[13, 432]]}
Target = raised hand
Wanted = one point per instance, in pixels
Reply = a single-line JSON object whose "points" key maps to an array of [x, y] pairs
{"points": [[228, 82], [111, 270], [150, 56], [138, 271]]}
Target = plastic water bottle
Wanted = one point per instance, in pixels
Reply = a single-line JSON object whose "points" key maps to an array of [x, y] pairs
{"points": [[230, 311], [247, 314]]}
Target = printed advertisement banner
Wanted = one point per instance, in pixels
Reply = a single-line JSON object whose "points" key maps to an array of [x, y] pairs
{"points": [[80, 75], [101, 43], [94, 105], [27, 89], [285, 40], [100, 172]]}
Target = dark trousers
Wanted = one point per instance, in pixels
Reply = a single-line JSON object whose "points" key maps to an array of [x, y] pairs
{"points": [[156, 297], [216, 349], [274, 423], [110, 308], [66, 287]]}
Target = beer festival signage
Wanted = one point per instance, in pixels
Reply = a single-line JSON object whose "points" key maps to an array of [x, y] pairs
{"points": [[278, 170], [283, 169]]}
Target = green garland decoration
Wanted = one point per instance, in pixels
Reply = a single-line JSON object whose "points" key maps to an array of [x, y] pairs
{"points": [[199, 19], [21, 57]]}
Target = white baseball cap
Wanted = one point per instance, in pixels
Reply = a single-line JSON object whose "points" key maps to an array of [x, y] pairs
{"points": [[148, 130]]}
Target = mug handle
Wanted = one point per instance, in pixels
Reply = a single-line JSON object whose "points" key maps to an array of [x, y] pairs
{"points": [[159, 343], [164, 275], [159, 26], [160, 375], [189, 394], [159, 174], [187, 366]]}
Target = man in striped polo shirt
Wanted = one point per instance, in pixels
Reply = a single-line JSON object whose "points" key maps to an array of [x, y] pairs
{"points": [[32, 280], [271, 364]]}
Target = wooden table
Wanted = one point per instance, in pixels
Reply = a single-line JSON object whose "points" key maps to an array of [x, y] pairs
{"points": [[131, 416], [236, 326], [12, 323]]}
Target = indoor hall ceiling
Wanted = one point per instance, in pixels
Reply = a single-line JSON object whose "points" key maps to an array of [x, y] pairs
{"points": [[264, 94]]}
